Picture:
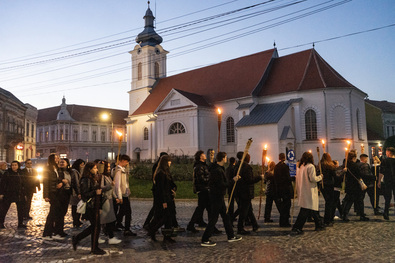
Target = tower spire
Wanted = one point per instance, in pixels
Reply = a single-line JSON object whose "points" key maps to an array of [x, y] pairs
{"points": [[149, 36]]}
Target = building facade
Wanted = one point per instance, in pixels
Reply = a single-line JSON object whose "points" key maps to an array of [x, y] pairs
{"points": [[289, 103], [76, 131], [17, 128]]}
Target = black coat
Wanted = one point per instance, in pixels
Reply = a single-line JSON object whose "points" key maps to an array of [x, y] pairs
{"points": [[352, 178], [269, 181], [329, 175], [201, 176], [50, 181], [282, 181], [163, 187], [366, 174], [245, 185], [387, 168], [218, 182], [12, 186]]}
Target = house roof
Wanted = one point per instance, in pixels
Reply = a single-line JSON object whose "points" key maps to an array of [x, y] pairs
{"points": [[195, 98], [11, 96], [83, 114], [227, 80], [260, 74], [385, 106], [265, 114], [305, 70]]}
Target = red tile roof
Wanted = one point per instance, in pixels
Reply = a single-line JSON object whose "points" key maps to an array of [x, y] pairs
{"points": [[83, 114], [305, 70], [227, 80]]}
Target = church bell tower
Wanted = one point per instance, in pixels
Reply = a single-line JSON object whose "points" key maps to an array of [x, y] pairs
{"points": [[148, 63]]}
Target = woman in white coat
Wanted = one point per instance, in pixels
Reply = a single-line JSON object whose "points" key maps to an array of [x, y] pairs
{"points": [[307, 192]]}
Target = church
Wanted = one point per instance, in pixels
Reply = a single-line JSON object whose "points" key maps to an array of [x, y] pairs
{"points": [[289, 103]]}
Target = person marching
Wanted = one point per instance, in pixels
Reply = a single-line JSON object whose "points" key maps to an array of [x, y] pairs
{"points": [[218, 185], [329, 172], [91, 193], [163, 196], [31, 183], [77, 169], [369, 179], [387, 169], [245, 193], [283, 190], [12, 190], [307, 192], [201, 177], [230, 173], [269, 181]]}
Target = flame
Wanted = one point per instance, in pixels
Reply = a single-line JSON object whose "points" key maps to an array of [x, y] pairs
{"points": [[119, 133], [265, 147], [323, 141], [219, 110], [309, 151], [346, 149], [267, 159], [348, 142]]}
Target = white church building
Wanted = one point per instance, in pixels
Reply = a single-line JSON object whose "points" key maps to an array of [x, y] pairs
{"points": [[289, 103]]}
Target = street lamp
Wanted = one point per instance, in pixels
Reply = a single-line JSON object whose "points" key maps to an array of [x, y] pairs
{"points": [[107, 116]]}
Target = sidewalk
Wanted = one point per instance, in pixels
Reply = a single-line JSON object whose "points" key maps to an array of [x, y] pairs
{"points": [[356, 241]]}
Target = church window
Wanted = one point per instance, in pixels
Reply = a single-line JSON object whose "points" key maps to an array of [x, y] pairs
{"points": [[176, 128], [140, 71], [145, 134], [175, 102], [156, 70], [230, 130], [311, 125]]}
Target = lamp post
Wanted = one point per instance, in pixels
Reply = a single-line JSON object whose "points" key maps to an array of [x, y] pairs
{"points": [[106, 116], [219, 127]]}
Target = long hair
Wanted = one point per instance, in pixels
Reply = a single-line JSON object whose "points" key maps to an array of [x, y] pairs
{"points": [[307, 157], [163, 166], [51, 162], [87, 170], [327, 162], [271, 166]]}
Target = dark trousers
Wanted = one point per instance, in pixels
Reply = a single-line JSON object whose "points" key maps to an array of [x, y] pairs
{"points": [[284, 207], [268, 207], [245, 208], [161, 217], [370, 192], [109, 229], [150, 215], [203, 203], [389, 190], [231, 203], [353, 198], [338, 204], [5, 206], [55, 217], [94, 226], [64, 199], [218, 208], [125, 210], [305, 213], [76, 216], [28, 204], [330, 206]]}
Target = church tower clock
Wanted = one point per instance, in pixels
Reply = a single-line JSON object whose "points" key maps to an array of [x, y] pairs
{"points": [[148, 63]]}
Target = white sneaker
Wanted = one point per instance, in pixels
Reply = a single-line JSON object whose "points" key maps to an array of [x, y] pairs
{"points": [[47, 238], [101, 240], [114, 241], [57, 237]]}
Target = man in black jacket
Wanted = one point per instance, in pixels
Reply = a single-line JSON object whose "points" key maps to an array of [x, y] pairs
{"points": [[31, 182], [283, 190], [245, 192], [201, 177], [368, 178], [218, 185], [387, 170]]}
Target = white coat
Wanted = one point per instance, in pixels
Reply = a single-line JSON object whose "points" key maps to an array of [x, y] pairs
{"points": [[306, 187]]}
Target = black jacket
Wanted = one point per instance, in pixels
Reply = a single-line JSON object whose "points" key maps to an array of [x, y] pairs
{"points": [[201, 176], [12, 186], [162, 188], [269, 181], [50, 181], [387, 168], [366, 174], [329, 175], [352, 178], [282, 181], [245, 185], [218, 182]]}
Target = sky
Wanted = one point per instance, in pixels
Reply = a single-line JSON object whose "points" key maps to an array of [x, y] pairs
{"points": [[79, 49]]}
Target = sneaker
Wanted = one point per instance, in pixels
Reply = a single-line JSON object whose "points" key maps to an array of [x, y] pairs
{"points": [[101, 240], [363, 218], [47, 237], [208, 243], [57, 237], [114, 241], [74, 242], [179, 229], [235, 239], [243, 232], [98, 251], [296, 232]]}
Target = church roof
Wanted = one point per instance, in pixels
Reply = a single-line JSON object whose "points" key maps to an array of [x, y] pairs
{"points": [[227, 80], [265, 114], [82, 113], [195, 98], [384, 105], [148, 36], [305, 70], [260, 74]]}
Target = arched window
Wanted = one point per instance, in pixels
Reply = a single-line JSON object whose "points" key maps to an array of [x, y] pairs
{"points": [[140, 71], [145, 134], [230, 130], [359, 125], [156, 70], [311, 125], [176, 128]]}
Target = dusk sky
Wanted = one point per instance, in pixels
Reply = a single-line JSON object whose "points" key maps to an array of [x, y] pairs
{"points": [[79, 49]]}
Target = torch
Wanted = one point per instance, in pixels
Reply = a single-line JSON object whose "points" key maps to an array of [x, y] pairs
{"points": [[323, 145], [362, 148], [319, 164], [219, 127], [119, 144], [264, 152]]}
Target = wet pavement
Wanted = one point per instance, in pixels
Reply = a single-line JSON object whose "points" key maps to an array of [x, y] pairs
{"points": [[356, 241]]}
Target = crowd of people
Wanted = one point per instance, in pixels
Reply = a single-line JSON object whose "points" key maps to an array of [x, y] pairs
{"points": [[100, 194]]}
